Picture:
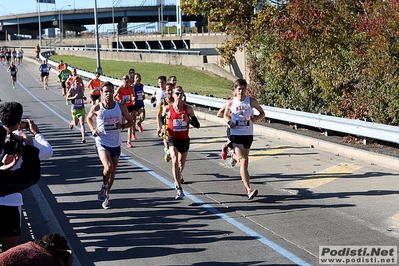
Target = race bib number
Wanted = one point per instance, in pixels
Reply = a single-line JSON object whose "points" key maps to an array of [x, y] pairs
{"points": [[140, 96], [179, 125], [66, 76], [125, 98], [78, 102], [109, 125], [96, 91], [13, 73], [242, 123]]}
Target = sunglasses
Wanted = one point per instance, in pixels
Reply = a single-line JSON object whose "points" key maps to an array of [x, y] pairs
{"points": [[179, 93], [126, 78]]}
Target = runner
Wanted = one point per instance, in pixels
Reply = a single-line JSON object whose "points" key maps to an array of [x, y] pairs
{"points": [[60, 67], [161, 107], [94, 86], [180, 115], [20, 55], [239, 117], [227, 148], [14, 56], [125, 95], [8, 56], [64, 75], [13, 71], [108, 139], [138, 107], [2, 55], [76, 95], [44, 73]]}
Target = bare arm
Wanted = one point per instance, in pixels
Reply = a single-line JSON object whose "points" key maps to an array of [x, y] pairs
{"points": [[220, 113], [227, 114], [255, 104], [126, 115], [89, 119]]}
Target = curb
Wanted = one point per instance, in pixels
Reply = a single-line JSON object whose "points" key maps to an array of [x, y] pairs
{"points": [[372, 158]]}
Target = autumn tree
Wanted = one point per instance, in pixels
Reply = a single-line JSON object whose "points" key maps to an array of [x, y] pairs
{"points": [[339, 56]]}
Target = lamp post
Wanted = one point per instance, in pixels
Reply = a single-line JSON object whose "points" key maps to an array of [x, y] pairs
{"points": [[61, 23], [99, 69]]}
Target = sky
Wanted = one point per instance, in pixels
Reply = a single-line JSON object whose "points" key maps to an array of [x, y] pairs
{"points": [[28, 6]]}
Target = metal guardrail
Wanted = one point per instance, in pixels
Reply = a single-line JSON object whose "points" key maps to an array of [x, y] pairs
{"points": [[323, 122], [152, 51]]}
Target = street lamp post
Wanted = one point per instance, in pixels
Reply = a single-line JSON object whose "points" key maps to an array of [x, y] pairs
{"points": [[61, 23], [99, 69]]}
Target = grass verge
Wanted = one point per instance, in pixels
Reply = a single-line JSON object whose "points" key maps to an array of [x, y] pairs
{"points": [[192, 80]]}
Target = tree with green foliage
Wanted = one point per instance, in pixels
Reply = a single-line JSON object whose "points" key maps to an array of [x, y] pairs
{"points": [[339, 56]]}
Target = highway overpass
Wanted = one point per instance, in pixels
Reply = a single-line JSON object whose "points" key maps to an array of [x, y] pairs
{"points": [[76, 19]]}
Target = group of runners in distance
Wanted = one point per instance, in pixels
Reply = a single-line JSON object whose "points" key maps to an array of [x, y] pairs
{"points": [[116, 109], [11, 59]]}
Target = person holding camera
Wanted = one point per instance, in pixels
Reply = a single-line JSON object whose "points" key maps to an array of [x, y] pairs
{"points": [[11, 204]]}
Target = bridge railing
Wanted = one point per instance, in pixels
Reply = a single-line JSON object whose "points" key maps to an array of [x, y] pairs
{"points": [[323, 122], [170, 51]]}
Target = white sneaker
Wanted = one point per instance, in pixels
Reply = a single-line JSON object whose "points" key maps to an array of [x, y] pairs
{"points": [[252, 193], [179, 194]]}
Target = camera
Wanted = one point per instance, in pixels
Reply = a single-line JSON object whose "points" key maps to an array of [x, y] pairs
{"points": [[12, 145], [25, 125]]}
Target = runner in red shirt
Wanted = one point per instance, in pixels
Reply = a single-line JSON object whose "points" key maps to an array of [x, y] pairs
{"points": [[125, 94]]}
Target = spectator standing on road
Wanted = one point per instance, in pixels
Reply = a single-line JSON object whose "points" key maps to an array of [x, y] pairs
{"points": [[37, 51], [239, 117], [94, 87], [180, 116], [138, 106], [11, 205], [125, 95], [76, 94], [13, 71], [107, 135]]}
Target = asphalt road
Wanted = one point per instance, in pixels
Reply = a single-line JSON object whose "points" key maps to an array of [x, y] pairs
{"points": [[311, 193]]}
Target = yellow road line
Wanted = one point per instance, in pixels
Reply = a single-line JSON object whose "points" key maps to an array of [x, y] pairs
{"points": [[326, 176], [263, 153], [396, 220]]}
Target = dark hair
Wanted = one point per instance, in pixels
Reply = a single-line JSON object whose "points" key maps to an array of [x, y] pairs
{"points": [[57, 245], [10, 113], [162, 77], [106, 84], [240, 82], [132, 69], [170, 84]]}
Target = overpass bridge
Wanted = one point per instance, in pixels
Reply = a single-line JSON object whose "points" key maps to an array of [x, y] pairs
{"points": [[76, 19]]}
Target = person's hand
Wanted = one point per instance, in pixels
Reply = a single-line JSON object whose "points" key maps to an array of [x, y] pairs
{"points": [[95, 132], [33, 128], [21, 136]]}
